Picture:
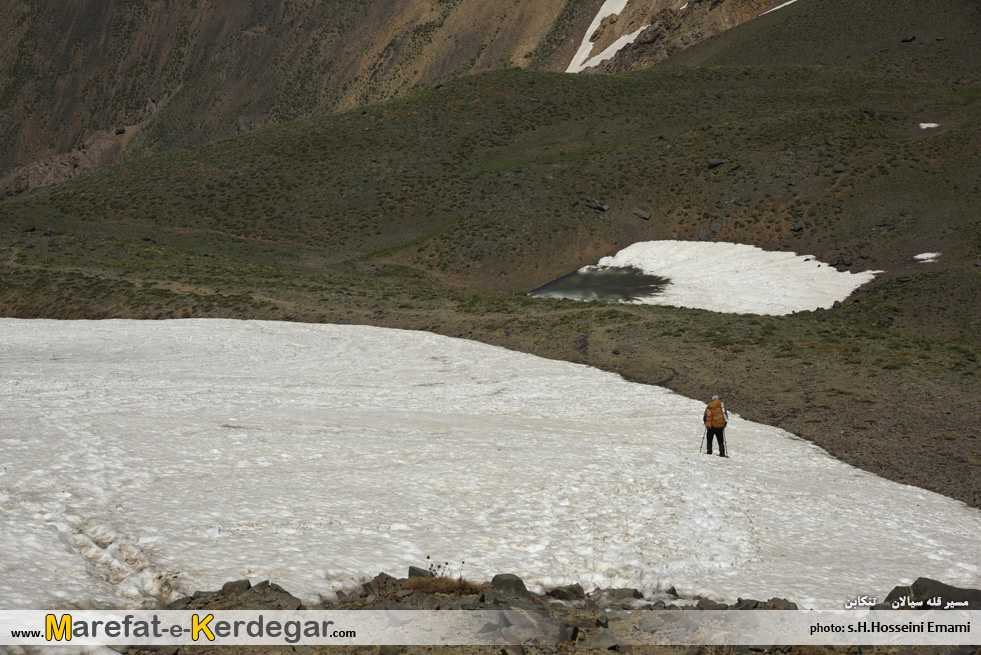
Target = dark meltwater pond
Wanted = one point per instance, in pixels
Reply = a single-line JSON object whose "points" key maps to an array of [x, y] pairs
{"points": [[604, 284]]}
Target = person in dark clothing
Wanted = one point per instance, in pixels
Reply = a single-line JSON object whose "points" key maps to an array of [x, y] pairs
{"points": [[715, 418]]}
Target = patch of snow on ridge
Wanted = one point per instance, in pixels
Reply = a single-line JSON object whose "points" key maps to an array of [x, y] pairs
{"points": [[328, 453], [614, 48], [928, 126], [778, 7], [609, 8], [927, 257], [738, 278]]}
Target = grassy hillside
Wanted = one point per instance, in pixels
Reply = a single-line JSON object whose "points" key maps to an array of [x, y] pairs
{"points": [[484, 183], [931, 41], [438, 211]]}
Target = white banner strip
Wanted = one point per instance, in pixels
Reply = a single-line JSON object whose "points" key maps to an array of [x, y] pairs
{"points": [[486, 627]]}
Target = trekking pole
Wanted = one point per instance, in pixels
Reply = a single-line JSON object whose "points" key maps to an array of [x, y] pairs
{"points": [[704, 432]]}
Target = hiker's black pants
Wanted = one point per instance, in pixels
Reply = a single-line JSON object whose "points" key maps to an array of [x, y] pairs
{"points": [[720, 433]]}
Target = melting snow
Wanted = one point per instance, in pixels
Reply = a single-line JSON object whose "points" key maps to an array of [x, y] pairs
{"points": [[928, 126], [778, 7], [613, 49], [732, 277], [609, 8], [145, 459], [927, 257]]}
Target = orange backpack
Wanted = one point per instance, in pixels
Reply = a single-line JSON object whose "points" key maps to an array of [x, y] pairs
{"points": [[715, 415]]}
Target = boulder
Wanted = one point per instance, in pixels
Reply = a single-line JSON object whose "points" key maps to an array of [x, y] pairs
{"points": [[235, 588], [568, 592], [241, 595], [596, 205], [924, 589], [620, 594], [510, 584], [416, 572], [781, 604], [495, 598], [386, 581], [266, 595], [707, 604]]}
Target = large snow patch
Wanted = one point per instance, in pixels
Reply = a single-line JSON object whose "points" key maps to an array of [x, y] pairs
{"points": [[146, 459], [738, 278]]}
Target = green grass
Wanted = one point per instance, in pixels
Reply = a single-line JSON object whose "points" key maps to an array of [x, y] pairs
{"points": [[460, 197]]}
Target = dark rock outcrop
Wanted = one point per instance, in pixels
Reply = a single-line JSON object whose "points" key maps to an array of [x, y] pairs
{"points": [[565, 615], [98, 150], [924, 589]]}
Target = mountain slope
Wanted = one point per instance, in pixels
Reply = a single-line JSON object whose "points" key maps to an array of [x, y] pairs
{"points": [[87, 80], [213, 70], [663, 28], [438, 210], [930, 41]]}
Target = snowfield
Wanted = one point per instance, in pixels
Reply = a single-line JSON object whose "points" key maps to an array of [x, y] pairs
{"points": [[143, 460], [734, 277]]}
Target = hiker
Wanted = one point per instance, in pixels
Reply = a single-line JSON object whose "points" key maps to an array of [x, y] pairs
{"points": [[715, 418]]}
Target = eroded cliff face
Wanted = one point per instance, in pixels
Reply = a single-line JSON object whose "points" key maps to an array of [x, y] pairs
{"points": [[98, 150], [86, 80]]}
